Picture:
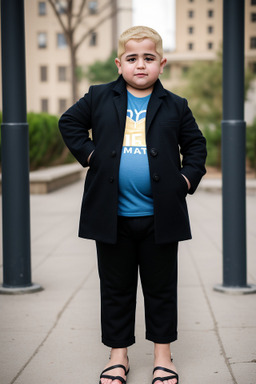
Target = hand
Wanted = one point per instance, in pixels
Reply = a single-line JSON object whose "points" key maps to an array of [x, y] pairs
{"points": [[187, 180], [89, 157]]}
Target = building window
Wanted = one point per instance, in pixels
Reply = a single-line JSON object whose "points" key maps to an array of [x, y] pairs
{"points": [[210, 45], [42, 40], [44, 105], [62, 106], [190, 30], [191, 14], [253, 17], [210, 29], [61, 6], [93, 7], [43, 73], [42, 8], [253, 43], [93, 39], [62, 73], [210, 13], [190, 46], [61, 41]]}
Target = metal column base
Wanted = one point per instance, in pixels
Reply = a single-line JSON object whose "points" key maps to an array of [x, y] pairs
{"points": [[20, 290], [251, 288]]}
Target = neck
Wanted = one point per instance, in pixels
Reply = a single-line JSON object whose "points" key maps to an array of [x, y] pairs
{"points": [[139, 92]]}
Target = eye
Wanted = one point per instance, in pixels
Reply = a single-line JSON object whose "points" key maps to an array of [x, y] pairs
{"points": [[131, 60], [149, 59]]}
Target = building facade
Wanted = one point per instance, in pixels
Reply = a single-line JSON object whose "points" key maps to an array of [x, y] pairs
{"points": [[199, 33], [48, 59]]}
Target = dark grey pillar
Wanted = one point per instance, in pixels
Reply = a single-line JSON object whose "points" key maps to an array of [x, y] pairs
{"points": [[233, 151], [15, 153]]}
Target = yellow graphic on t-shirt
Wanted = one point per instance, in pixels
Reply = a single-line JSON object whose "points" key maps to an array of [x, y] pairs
{"points": [[134, 133]]}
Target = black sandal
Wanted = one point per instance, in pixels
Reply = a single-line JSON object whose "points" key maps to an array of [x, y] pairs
{"points": [[173, 375], [123, 381]]}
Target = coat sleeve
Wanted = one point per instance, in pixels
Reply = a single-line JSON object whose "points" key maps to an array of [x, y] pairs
{"points": [[193, 148], [74, 126]]}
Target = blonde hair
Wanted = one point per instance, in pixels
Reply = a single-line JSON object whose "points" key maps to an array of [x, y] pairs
{"points": [[140, 33]]}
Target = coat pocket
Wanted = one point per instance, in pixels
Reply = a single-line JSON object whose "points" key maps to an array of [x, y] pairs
{"points": [[183, 185]]}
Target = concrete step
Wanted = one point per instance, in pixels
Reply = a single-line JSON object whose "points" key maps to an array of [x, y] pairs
{"points": [[50, 179]]}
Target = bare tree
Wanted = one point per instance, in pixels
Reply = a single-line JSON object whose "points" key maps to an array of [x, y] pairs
{"points": [[72, 15]]}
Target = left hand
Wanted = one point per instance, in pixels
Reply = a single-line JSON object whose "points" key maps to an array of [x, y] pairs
{"points": [[187, 180]]}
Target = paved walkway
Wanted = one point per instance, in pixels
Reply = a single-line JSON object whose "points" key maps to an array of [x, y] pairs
{"points": [[52, 337]]}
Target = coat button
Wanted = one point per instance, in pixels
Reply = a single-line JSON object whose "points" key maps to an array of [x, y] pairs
{"points": [[113, 153], [111, 179], [153, 152], [156, 177]]}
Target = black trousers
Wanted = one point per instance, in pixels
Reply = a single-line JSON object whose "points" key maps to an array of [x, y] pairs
{"points": [[118, 265]]}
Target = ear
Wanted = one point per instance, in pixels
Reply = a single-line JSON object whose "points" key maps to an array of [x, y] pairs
{"points": [[162, 64], [118, 64]]}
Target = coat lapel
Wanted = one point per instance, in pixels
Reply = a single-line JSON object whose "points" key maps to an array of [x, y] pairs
{"points": [[154, 103], [120, 101]]}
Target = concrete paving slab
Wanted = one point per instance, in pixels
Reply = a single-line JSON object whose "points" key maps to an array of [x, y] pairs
{"points": [[193, 310], [239, 345], [246, 372], [199, 358], [60, 325]]}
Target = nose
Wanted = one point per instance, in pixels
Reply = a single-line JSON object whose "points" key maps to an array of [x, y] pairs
{"points": [[141, 63]]}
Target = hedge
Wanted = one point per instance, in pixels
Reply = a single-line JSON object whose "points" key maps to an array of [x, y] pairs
{"points": [[47, 148], [213, 139], [251, 144], [46, 145]]}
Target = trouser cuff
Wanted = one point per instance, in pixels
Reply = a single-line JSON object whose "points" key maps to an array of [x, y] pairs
{"points": [[162, 339], [118, 343]]}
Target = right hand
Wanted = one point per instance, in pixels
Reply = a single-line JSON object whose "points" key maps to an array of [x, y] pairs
{"points": [[89, 157]]}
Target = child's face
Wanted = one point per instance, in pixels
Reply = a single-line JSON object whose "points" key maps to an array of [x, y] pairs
{"points": [[140, 66]]}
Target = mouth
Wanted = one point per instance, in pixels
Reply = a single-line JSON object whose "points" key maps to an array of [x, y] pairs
{"points": [[141, 74]]}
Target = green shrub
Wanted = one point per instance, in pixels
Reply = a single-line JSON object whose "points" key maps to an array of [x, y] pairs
{"points": [[251, 144], [213, 138], [213, 142], [45, 142]]}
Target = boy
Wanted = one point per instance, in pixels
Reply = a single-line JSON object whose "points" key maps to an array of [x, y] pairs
{"points": [[134, 196]]}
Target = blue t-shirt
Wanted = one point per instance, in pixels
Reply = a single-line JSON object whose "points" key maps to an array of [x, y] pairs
{"points": [[135, 194]]}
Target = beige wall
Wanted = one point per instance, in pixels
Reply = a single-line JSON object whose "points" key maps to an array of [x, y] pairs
{"points": [[200, 37], [53, 57], [200, 21], [107, 34]]}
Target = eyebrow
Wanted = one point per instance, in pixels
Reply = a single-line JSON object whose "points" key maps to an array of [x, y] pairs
{"points": [[144, 54]]}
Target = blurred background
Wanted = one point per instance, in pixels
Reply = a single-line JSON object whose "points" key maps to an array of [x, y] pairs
{"points": [[71, 44]]}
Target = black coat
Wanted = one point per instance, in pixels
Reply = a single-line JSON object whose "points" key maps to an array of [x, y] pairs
{"points": [[174, 145]]}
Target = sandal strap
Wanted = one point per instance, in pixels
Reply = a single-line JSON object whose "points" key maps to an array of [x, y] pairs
{"points": [[173, 376], [114, 367], [123, 381], [165, 370], [165, 378]]}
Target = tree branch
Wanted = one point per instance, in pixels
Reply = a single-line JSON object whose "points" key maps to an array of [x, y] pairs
{"points": [[53, 5], [80, 14], [97, 25]]}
